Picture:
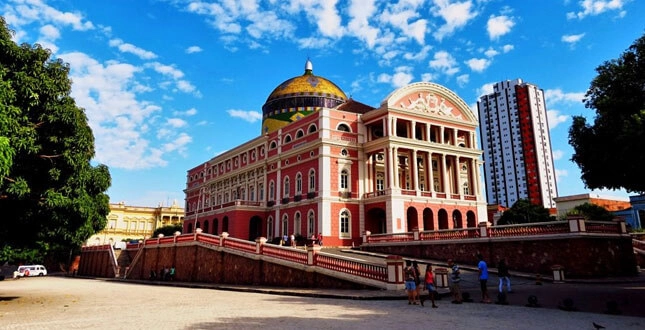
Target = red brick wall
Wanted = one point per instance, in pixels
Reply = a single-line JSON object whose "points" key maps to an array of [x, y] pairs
{"points": [[585, 257], [195, 263]]}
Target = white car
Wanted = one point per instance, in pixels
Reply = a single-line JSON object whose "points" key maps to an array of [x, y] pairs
{"points": [[30, 270]]}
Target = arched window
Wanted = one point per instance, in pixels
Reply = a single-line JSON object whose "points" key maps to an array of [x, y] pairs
{"points": [[285, 225], [343, 128], [252, 193], [466, 189], [312, 180], [287, 139], [271, 191], [273, 145], [296, 224], [286, 187], [344, 223], [300, 133], [298, 184], [344, 179], [310, 224], [312, 128], [261, 192], [270, 228]]}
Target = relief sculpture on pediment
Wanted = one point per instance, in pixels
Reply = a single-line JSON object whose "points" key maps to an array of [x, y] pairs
{"points": [[431, 103]]}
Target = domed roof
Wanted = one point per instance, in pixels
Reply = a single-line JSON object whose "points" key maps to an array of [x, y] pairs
{"points": [[298, 97], [307, 85]]}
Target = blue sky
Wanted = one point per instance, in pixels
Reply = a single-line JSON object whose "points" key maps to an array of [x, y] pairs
{"points": [[167, 85]]}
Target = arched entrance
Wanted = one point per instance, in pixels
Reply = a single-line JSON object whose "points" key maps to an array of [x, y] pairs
{"points": [[457, 221], [215, 226], [225, 224], [375, 221], [443, 219], [206, 227], [471, 220], [413, 218], [255, 228], [428, 219]]}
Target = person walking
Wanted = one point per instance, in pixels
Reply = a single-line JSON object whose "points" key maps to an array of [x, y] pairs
{"points": [[417, 281], [410, 286], [453, 280], [483, 278], [504, 276], [429, 284]]}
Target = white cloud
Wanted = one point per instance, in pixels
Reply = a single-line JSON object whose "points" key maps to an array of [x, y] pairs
{"points": [[572, 38], [401, 77], [360, 11], [463, 79], [250, 116], [491, 52], [444, 62], [456, 15], [428, 77], [132, 49], [167, 70], [555, 118], [25, 12], [485, 89], [313, 43], [478, 64], [193, 49], [498, 26], [597, 7], [507, 48], [560, 173], [120, 122], [49, 32], [557, 154], [419, 55], [404, 15], [176, 122], [187, 113], [554, 96]]}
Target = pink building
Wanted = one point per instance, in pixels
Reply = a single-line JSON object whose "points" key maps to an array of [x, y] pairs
{"points": [[328, 164]]}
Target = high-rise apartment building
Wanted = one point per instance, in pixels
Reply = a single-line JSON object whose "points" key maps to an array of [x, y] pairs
{"points": [[518, 162]]}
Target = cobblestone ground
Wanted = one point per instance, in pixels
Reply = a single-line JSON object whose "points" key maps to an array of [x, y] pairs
{"points": [[73, 303]]}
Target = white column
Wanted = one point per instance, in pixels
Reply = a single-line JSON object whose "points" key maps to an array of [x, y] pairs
{"points": [[415, 170], [444, 174]]}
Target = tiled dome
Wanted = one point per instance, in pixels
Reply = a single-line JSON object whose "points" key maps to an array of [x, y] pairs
{"points": [[298, 97]]}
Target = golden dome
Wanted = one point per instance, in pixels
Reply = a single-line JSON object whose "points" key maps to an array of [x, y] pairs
{"points": [[302, 95]]}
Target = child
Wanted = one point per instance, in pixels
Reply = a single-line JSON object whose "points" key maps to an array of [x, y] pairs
{"points": [[429, 282]]}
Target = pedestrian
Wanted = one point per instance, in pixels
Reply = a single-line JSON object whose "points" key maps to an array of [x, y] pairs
{"points": [[483, 278], [504, 276], [166, 273], [171, 274], [410, 287], [285, 238], [417, 281], [292, 238], [453, 280], [429, 284], [320, 239]]}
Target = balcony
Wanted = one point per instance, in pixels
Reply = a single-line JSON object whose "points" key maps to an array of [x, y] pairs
{"points": [[345, 194], [297, 198], [285, 200], [311, 195]]}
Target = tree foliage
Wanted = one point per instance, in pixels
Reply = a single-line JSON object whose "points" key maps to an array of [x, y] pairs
{"points": [[51, 197], [609, 152], [592, 212], [167, 230], [525, 212]]}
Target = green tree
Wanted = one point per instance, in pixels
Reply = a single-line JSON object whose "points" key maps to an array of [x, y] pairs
{"points": [[609, 152], [167, 230], [524, 212], [51, 197], [592, 212]]}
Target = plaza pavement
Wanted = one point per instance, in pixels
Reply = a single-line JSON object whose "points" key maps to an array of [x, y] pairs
{"points": [[56, 302]]}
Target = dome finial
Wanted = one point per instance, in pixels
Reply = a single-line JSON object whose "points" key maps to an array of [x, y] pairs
{"points": [[309, 68]]}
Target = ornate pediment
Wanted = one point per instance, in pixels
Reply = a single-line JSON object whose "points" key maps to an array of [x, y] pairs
{"points": [[431, 103]]}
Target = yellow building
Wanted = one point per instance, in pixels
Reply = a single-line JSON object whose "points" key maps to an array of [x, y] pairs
{"points": [[136, 222]]}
